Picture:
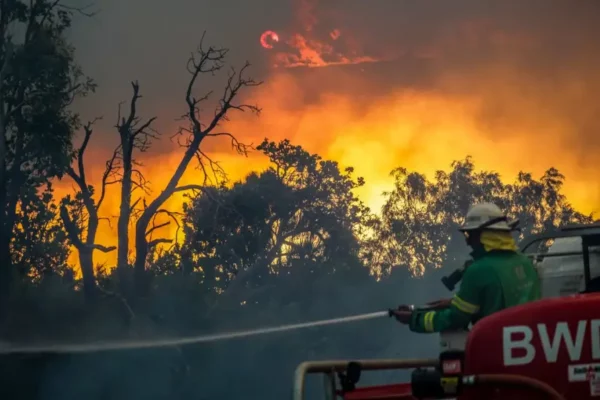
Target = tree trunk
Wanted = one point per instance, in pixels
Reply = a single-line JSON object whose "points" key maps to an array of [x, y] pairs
{"points": [[125, 211], [5, 259], [86, 260], [6, 273], [86, 252], [85, 249], [141, 244], [8, 204]]}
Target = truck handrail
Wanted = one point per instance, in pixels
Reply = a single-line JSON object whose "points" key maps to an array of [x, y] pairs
{"points": [[332, 366]]}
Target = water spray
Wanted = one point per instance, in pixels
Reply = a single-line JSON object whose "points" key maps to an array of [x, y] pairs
{"points": [[8, 348]]}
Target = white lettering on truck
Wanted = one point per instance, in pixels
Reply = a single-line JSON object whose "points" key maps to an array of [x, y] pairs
{"points": [[520, 337]]}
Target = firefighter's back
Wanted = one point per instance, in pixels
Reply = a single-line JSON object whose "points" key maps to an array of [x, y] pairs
{"points": [[510, 280]]}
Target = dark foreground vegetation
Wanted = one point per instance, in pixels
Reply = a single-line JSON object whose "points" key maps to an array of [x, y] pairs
{"points": [[288, 244]]}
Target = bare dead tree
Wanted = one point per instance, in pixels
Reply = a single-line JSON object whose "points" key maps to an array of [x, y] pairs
{"points": [[204, 61], [134, 135], [86, 247]]}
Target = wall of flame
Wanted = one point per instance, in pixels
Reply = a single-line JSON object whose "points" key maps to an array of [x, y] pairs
{"points": [[378, 107]]}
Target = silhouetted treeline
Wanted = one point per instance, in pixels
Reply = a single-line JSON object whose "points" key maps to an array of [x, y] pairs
{"points": [[287, 244]]}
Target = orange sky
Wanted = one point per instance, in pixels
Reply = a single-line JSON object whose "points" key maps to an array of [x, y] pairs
{"points": [[507, 119], [418, 130]]}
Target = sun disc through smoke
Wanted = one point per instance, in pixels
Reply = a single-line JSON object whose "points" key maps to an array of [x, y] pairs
{"points": [[268, 38]]}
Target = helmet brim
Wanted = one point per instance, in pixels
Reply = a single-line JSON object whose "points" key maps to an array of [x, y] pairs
{"points": [[498, 226]]}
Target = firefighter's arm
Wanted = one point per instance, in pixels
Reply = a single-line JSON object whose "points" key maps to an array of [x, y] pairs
{"points": [[464, 305]]}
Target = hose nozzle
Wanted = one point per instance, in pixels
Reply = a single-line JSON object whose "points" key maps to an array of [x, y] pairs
{"points": [[407, 307]]}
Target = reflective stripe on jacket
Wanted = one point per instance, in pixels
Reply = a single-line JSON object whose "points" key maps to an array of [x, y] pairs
{"points": [[496, 280]]}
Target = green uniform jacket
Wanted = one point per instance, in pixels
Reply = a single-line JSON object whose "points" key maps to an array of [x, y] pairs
{"points": [[494, 281]]}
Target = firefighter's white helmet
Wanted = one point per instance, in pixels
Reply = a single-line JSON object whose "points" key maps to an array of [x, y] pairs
{"points": [[486, 216]]}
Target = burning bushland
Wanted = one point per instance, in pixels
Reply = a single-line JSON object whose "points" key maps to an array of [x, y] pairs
{"points": [[120, 225]]}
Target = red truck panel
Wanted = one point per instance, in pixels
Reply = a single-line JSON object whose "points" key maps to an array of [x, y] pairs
{"points": [[396, 392], [556, 341]]}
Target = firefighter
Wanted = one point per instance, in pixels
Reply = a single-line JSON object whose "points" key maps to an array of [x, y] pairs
{"points": [[499, 276]]}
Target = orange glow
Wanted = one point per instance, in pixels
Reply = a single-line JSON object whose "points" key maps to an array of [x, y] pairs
{"points": [[422, 130], [309, 49], [314, 53], [267, 37]]}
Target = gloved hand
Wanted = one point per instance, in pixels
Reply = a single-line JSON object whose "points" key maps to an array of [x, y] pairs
{"points": [[439, 304], [403, 314]]}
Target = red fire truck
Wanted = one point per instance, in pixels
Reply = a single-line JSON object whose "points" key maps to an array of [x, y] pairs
{"points": [[548, 349]]}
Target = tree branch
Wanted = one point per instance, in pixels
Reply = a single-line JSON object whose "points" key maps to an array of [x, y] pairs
{"points": [[80, 10], [189, 187], [153, 243], [109, 171], [236, 145], [206, 61], [71, 228], [80, 153], [133, 135], [104, 249], [157, 227], [107, 220]]}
